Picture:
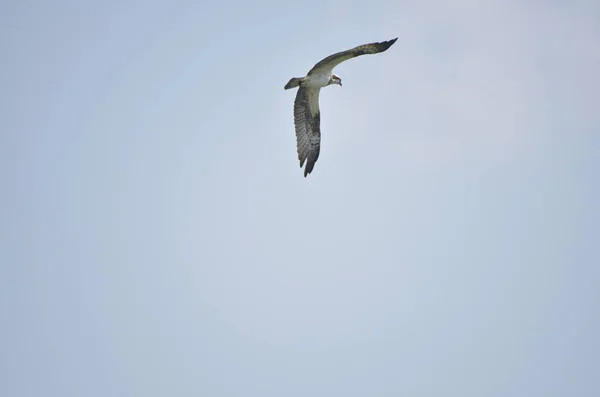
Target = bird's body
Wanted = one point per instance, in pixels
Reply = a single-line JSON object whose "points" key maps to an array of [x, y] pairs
{"points": [[318, 80], [307, 117]]}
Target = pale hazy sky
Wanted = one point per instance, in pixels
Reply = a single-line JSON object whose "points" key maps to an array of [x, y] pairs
{"points": [[158, 237]]}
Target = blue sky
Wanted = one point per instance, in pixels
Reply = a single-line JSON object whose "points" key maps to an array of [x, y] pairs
{"points": [[159, 238]]}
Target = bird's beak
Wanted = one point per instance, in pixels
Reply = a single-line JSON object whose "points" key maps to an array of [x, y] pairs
{"points": [[340, 83]]}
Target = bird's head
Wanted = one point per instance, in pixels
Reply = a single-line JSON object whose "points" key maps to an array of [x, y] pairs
{"points": [[333, 79]]}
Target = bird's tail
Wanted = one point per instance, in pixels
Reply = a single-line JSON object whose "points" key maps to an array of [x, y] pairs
{"points": [[294, 82]]}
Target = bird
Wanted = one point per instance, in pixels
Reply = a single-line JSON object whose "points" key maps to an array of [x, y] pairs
{"points": [[307, 116]]}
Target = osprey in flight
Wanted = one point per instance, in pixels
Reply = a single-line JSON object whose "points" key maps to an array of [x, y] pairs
{"points": [[307, 117]]}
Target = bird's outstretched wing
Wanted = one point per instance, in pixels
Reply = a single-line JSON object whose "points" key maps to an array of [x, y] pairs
{"points": [[307, 120], [327, 64]]}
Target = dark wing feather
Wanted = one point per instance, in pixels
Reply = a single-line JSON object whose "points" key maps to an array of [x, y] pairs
{"points": [[327, 64], [307, 120]]}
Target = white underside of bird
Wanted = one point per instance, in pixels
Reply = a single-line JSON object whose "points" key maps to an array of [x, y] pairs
{"points": [[318, 80]]}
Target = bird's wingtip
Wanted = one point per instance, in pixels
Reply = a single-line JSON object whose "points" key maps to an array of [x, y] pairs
{"points": [[384, 45]]}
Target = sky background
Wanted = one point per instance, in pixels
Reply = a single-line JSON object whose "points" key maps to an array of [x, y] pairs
{"points": [[158, 237]]}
